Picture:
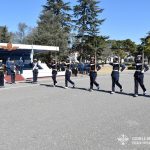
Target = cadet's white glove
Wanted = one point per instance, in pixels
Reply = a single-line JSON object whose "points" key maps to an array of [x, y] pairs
{"points": [[142, 71]]}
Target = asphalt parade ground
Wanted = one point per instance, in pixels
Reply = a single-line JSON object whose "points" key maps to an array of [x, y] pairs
{"points": [[43, 117]]}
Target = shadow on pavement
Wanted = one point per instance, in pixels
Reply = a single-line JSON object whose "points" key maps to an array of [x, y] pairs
{"points": [[131, 94], [48, 85], [26, 81], [79, 88], [123, 93], [104, 91]]}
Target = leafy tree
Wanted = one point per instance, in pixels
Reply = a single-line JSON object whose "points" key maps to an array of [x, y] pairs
{"points": [[4, 35], [107, 51], [21, 34], [87, 49], [123, 48], [145, 45], [95, 44], [129, 46], [118, 48]]}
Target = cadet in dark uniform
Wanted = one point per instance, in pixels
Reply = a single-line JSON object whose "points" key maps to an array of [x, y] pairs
{"points": [[13, 71], [74, 68], [68, 73], [35, 70], [139, 75], [54, 72], [1, 74], [93, 74], [20, 65], [115, 74], [8, 63]]}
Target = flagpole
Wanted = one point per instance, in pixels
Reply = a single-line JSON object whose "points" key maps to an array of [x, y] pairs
{"points": [[32, 53]]}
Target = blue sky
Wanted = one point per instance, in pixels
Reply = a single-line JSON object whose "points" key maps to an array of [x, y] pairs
{"points": [[124, 18]]}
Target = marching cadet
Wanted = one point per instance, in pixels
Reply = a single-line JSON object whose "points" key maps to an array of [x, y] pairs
{"points": [[54, 72], [1, 74], [35, 70], [68, 73], [139, 75], [115, 74], [93, 74], [13, 71]]}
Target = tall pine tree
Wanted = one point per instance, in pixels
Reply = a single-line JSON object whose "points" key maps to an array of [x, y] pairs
{"points": [[53, 26], [87, 23], [87, 20], [61, 10]]}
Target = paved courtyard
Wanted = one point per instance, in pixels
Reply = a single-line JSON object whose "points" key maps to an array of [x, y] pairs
{"points": [[41, 117]]}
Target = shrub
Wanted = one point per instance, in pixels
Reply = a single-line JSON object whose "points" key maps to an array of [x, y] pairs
{"points": [[131, 67]]}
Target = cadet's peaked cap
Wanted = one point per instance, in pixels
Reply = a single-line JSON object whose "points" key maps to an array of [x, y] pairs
{"points": [[115, 56], [139, 55]]}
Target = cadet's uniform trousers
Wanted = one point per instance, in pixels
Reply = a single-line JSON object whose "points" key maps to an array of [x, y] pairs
{"points": [[1, 78], [115, 80], [93, 75], [54, 74], [67, 78], [12, 74], [138, 79], [35, 75]]}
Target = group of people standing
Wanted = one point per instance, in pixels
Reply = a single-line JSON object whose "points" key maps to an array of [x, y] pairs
{"points": [[10, 68]]}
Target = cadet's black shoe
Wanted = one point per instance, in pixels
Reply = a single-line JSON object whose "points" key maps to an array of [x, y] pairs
{"points": [[98, 87], [135, 95], [90, 90], [34, 82], [73, 86], [66, 87], [144, 93], [121, 90], [112, 92]]}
